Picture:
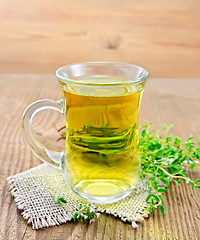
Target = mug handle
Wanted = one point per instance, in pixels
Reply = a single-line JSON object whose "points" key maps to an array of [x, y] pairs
{"points": [[46, 155]]}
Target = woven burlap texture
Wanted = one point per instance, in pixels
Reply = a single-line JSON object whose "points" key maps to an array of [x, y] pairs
{"points": [[36, 189]]}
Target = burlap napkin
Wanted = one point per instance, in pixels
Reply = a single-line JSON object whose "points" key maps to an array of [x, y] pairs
{"points": [[31, 190]]}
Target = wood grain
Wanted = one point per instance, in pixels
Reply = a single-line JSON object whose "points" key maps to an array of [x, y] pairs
{"points": [[40, 36], [165, 101]]}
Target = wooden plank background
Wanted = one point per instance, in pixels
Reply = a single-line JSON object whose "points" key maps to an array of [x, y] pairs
{"points": [[40, 36], [165, 101], [37, 37]]}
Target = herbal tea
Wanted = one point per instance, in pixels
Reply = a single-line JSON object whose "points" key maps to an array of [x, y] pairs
{"points": [[100, 102], [102, 154]]}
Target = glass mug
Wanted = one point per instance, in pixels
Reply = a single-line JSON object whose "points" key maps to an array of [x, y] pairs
{"points": [[100, 102]]}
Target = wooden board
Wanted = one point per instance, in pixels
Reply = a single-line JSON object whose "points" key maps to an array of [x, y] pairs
{"points": [[165, 101], [161, 36]]}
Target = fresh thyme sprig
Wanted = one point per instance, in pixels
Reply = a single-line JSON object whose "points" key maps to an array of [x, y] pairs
{"points": [[165, 160], [87, 213]]}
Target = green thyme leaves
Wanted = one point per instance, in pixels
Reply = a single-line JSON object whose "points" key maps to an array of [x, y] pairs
{"points": [[165, 159]]}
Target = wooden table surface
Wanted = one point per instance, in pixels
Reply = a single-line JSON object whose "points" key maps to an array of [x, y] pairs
{"points": [[168, 101], [40, 36]]}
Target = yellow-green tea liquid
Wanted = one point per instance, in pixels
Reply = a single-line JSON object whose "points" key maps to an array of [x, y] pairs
{"points": [[102, 154]]}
